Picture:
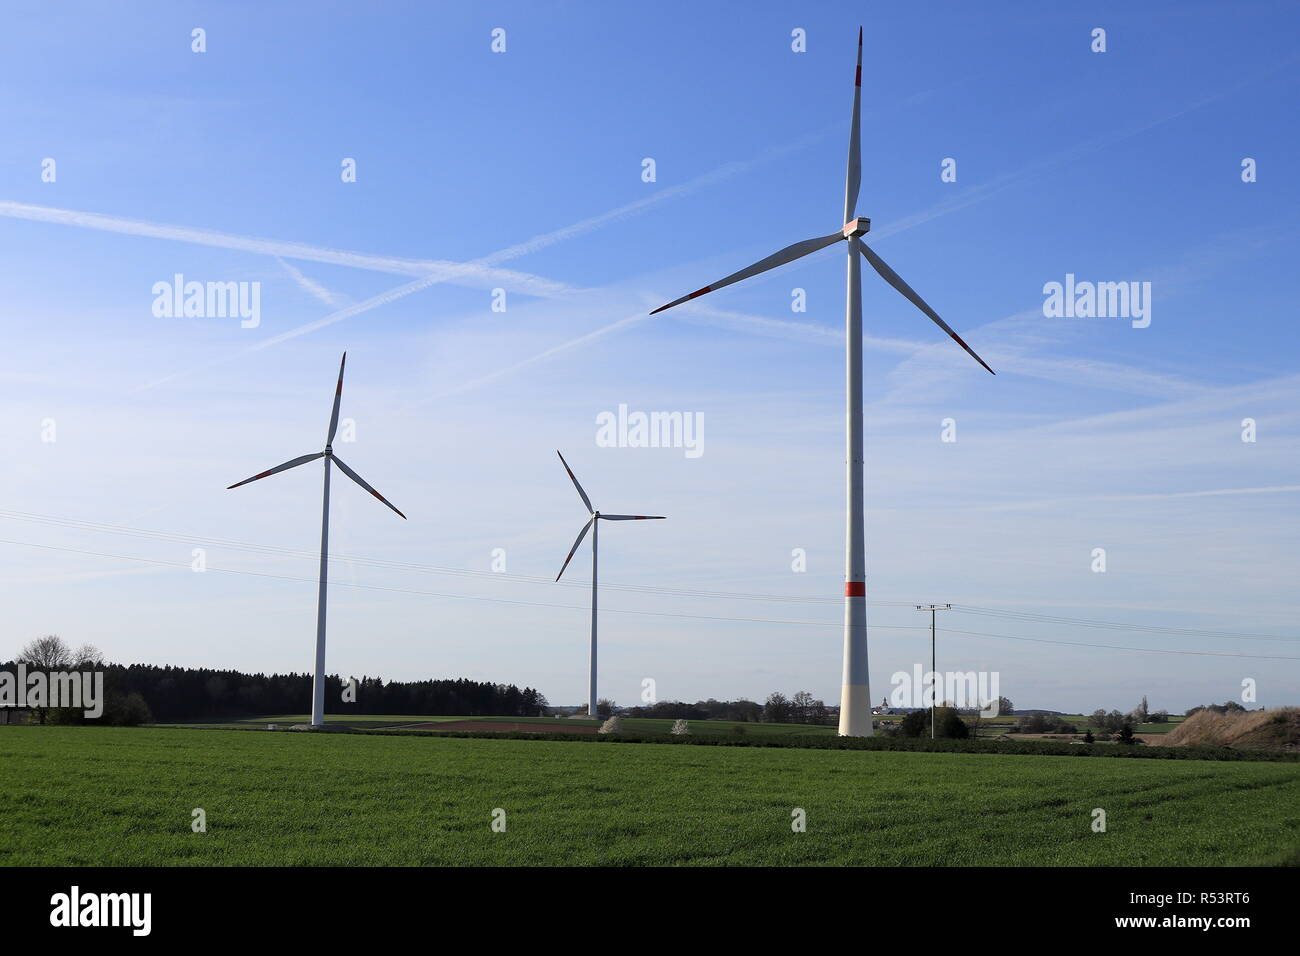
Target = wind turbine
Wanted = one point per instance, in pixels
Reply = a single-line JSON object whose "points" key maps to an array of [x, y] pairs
{"points": [[855, 698], [318, 678], [593, 525]]}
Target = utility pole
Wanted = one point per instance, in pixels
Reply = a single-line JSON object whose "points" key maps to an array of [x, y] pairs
{"points": [[934, 671]]}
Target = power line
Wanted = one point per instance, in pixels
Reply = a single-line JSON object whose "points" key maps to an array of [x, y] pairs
{"points": [[77, 524], [442, 594], [575, 607], [1024, 616], [1030, 616], [1117, 647]]}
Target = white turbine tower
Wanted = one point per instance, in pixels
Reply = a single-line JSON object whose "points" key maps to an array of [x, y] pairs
{"points": [[855, 698], [318, 677], [593, 525]]}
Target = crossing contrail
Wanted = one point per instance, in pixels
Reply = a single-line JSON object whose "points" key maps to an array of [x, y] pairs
{"points": [[458, 273], [445, 271]]}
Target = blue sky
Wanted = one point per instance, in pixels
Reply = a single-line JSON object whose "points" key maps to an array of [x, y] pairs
{"points": [[1115, 166]]}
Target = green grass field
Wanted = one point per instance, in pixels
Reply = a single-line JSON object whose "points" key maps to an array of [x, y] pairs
{"points": [[640, 725], [102, 795]]}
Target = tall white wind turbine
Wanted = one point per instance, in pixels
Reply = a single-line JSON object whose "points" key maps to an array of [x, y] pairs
{"points": [[855, 697], [593, 525], [318, 677]]}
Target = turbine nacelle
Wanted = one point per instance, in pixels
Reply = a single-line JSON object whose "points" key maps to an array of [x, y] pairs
{"points": [[857, 227]]}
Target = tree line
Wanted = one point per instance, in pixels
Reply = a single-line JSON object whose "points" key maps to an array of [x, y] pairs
{"points": [[143, 693], [800, 708]]}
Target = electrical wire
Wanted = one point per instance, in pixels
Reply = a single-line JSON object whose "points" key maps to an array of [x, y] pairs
{"points": [[573, 607]]}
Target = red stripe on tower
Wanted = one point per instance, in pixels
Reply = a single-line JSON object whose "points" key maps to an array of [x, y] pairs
{"points": [[855, 588]]}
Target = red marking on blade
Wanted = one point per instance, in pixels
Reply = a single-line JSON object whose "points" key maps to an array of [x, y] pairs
{"points": [[857, 80], [855, 589], [957, 338], [699, 292]]}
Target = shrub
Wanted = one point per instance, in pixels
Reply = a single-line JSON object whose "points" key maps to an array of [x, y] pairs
{"points": [[914, 724], [128, 711], [831, 742], [680, 727], [949, 725], [1043, 724]]}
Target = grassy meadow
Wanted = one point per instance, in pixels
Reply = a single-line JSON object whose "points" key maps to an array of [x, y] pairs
{"points": [[638, 725], [103, 795], [648, 725]]}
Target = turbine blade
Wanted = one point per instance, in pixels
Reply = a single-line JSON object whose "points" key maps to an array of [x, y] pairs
{"points": [[361, 481], [278, 468], [788, 254], [605, 517], [853, 175], [585, 500], [581, 534], [338, 396], [894, 279]]}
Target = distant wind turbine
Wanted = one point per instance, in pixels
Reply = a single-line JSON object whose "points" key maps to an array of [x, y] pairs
{"points": [[318, 678], [593, 525], [855, 696]]}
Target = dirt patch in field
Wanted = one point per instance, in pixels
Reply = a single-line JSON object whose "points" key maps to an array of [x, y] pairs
{"points": [[501, 727], [1277, 729], [1157, 739]]}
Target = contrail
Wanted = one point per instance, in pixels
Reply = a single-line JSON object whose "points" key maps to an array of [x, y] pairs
{"points": [[346, 313], [803, 331], [723, 172], [454, 272], [450, 271], [312, 287], [545, 240], [978, 194], [639, 316], [1152, 496]]}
